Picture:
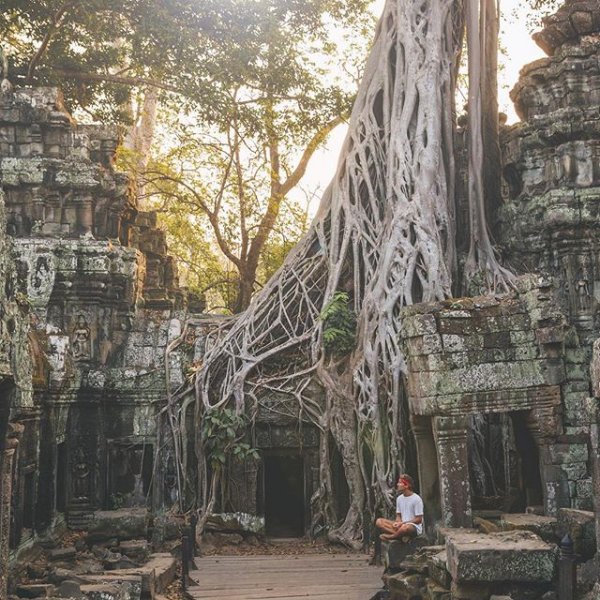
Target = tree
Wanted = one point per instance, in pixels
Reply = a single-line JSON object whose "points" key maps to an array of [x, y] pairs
{"points": [[101, 51], [384, 235], [256, 76], [237, 165]]}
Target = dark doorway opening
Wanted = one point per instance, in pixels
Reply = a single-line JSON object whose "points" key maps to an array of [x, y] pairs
{"points": [[284, 496], [129, 474], [503, 463]]}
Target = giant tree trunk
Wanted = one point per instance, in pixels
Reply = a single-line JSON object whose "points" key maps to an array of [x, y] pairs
{"points": [[140, 137], [482, 270], [385, 233]]}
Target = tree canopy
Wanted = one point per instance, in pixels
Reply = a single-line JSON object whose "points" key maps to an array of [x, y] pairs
{"points": [[241, 92], [96, 50]]}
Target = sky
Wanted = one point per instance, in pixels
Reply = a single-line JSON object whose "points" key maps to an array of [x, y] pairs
{"points": [[520, 50]]}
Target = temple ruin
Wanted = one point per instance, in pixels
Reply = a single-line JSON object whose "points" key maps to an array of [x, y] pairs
{"points": [[96, 335]]}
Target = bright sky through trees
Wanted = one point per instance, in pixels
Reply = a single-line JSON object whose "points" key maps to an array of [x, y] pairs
{"points": [[519, 50]]}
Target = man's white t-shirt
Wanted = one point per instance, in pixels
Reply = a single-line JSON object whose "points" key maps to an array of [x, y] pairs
{"points": [[410, 507]]}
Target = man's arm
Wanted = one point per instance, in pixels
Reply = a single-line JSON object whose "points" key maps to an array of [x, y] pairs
{"points": [[418, 512], [398, 520]]}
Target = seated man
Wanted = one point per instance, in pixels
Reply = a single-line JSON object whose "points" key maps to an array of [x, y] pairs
{"points": [[409, 513]]}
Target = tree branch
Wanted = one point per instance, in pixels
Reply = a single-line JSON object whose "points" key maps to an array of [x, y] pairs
{"points": [[54, 25], [137, 81], [312, 146]]}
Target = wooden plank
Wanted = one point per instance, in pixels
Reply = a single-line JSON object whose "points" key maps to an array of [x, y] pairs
{"points": [[280, 577]]}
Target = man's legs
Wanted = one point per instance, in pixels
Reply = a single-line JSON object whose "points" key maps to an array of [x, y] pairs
{"points": [[393, 533], [386, 526]]}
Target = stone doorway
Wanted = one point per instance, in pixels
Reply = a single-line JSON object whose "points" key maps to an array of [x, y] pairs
{"points": [[504, 469], [283, 485], [129, 474]]}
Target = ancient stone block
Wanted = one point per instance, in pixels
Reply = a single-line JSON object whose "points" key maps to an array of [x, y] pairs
{"points": [[403, 586], [568, 453], [70, 589], [438, 570], [236, 523], [514, 556], [544, 527], [393, 553], [62, 553], [581, 525], [35, 590], [124, 524]]}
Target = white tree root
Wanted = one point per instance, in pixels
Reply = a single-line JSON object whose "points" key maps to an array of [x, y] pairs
{"points": [[384, 233]]}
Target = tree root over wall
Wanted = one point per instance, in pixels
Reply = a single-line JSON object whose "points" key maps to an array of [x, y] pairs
{"points": [[384, 234]]}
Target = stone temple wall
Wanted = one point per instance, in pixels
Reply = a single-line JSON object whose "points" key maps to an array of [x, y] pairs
{"points": [[550, 220], [90, 311], [103, 300], [16, 394], [514, 356]]}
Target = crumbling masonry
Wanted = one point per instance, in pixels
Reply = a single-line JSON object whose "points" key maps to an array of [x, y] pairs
{"points": [[91, 309]]}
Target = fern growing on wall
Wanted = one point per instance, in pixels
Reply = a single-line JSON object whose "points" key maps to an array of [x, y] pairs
{"points": [[339, 325]]}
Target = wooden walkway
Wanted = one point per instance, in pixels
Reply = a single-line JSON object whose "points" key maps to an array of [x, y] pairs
{"points": [[268, 577]]}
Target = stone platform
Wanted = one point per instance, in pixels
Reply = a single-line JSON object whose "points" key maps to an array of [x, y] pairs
{"points": [[518, 556]]}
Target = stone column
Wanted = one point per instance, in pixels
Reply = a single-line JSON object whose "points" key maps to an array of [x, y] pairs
{"points": [[544, 426], [6, 471], [429, 488], [453, 462], [594, 418], [595, 466]]}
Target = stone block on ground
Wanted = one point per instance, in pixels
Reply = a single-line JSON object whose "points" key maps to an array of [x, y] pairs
{"points": [[236, 523], [470, 591], [156, 575], [443, 532], [126, 587], [436, 591], [70, 589], [101, 591], [418, 562], [62, 554], [123, 524], [405, 586], [137, 550], [518, 556], [57, 575], [438, 570], [543, 526], [35, 590], [581, 525], [395, 552], [115, 560]]}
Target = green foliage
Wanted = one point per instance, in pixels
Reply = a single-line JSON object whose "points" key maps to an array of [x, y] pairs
{"points": [[339, 325], [184, 45], [235, 164], [223, 431], [117, 501]]}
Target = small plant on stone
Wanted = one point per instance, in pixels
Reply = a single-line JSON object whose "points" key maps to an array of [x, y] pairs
{"points": [[223, 431], [339, 325], [117, 501]]}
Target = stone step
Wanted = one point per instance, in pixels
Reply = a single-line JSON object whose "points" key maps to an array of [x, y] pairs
{"points": [[35, 590]]}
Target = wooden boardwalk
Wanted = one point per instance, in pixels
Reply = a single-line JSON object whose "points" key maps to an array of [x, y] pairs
{"points": [[268, 577]]}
